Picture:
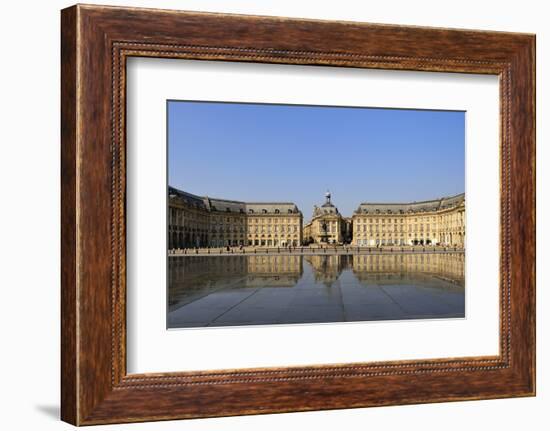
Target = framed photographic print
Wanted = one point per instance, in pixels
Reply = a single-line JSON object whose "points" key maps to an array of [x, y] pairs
{"points": [[265, 215]]}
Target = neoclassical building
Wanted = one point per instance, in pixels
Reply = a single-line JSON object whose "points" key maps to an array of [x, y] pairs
{"points": [[327, 225], [201, 221], [439, 221]]}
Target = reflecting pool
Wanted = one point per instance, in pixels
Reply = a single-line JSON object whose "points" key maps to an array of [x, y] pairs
{"points": [[285, 289]]}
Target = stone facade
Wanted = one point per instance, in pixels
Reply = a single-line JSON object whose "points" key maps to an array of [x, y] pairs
{"points": [[436, 222], [274, 225], [200, 221], [327, 225]]}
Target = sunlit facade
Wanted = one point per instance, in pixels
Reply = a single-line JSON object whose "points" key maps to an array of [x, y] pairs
{"points": [[327, 225], [200, 221], [435, 222]]}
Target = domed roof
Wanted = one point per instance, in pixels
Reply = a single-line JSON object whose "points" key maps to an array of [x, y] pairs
{"points": [[327, 208]]}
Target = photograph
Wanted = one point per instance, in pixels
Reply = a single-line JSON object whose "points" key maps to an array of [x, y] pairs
{"points": [[274, 215], [281, 214]]}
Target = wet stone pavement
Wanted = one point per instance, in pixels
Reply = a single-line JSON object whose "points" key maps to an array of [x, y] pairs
{"points": [[261, 290]]}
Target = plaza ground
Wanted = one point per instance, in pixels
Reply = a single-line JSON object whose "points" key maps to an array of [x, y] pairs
{"points": [[230, 290]]}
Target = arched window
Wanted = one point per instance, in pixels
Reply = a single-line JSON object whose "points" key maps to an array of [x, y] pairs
{"points": [[277, 211]]}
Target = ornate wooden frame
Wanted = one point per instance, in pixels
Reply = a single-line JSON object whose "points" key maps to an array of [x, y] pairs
{"points": [[95, 43]]}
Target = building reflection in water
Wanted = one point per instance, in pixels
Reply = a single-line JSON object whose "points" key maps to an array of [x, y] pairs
{"points": [[270, 289]]}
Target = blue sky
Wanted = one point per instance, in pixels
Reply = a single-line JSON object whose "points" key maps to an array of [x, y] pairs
{"points": [[259, 152]]}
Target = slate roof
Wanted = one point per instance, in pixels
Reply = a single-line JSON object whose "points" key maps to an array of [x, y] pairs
{"points": [[411, 207], [188, 198], [231, 206], [324, 209], [272, 207]]}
